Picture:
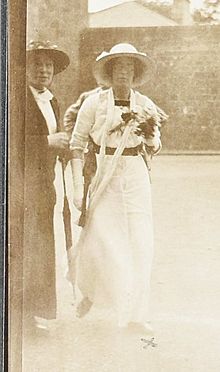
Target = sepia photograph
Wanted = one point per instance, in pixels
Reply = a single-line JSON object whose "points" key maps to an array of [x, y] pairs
{"points": [[113, 186]]}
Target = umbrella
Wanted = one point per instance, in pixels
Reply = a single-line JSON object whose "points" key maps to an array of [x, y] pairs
{"points": [[89, 170], [71, 253]]}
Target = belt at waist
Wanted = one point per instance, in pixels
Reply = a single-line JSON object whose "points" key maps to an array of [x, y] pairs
{"points": [[129, 151]]}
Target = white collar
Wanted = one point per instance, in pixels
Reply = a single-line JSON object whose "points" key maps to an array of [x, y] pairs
{"points": [[46, 95]]}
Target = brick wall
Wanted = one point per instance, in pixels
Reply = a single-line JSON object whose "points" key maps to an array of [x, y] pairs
{"points": [[186, 85], [188, 68]]}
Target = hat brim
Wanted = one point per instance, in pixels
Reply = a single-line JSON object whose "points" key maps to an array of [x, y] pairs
{"points": [[147, 67], [60, 59]]}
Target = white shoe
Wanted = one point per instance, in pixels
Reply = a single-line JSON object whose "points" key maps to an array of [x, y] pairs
{"points": [[45, 324]]}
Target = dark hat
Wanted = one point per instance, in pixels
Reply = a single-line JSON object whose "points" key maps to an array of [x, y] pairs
{"points": [[59, 58]]}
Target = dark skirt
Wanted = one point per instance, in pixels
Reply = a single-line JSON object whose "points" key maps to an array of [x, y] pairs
{"points": [[39, 257]]}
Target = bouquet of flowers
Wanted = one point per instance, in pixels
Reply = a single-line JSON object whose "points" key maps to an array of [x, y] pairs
{"points": [[143, 121]]}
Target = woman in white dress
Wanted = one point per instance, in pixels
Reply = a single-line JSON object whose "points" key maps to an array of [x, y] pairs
{"points": [[116, 243]]}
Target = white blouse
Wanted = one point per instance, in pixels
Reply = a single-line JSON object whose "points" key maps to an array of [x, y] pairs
{"points": [[92, 117], [43, 101]]}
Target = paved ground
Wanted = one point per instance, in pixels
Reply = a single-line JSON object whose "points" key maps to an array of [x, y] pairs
{"points": [[185, 301]]}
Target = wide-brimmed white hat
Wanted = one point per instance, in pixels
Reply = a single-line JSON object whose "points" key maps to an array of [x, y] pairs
{"points": [[144, 64]]}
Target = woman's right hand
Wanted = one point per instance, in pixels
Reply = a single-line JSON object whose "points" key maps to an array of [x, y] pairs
{"points": [[59, 140], [78, 182], [78, 192]]}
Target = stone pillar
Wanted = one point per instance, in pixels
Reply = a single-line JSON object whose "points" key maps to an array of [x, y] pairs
{"points": [[16, 102], [60, 22]]}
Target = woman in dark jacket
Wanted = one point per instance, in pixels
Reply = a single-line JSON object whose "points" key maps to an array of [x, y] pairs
{"points": [[44, 141]]}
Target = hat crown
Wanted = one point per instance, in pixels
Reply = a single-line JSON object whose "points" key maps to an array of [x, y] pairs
{"points": [[123, 48], [37, 45]]}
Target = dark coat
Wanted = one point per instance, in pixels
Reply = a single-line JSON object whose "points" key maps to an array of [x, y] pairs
{"points": [[39, 200], [39, 158]]}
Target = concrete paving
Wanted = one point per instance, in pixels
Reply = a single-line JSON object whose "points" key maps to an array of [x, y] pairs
{"points": [[185, 299]]}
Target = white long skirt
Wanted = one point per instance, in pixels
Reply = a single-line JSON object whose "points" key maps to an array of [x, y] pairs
{"points": [[116, 246]]}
